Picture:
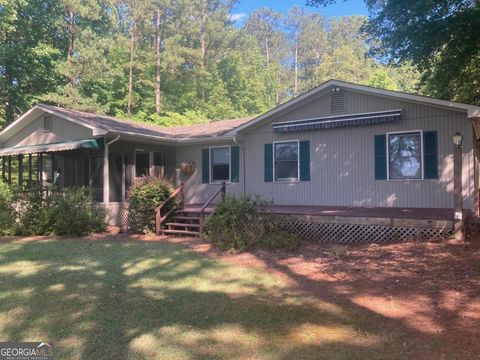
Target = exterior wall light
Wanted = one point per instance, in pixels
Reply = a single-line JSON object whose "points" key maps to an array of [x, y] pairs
{"points": [[457, 139]]}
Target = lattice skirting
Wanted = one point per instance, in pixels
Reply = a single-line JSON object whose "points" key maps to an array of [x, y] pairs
{"points": [[336, 232], [123, 218], [359, 233]]}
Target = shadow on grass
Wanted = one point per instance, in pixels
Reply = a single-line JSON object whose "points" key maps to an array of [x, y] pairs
{"points": [[132, 299]]}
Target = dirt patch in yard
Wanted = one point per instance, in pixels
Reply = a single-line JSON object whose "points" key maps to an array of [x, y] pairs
{"points": [[426, 292]]}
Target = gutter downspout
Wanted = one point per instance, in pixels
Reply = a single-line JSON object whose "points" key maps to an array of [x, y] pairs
{"points": [[242, 146], [106, 172]]}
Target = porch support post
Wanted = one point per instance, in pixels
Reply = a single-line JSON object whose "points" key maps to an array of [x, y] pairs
{"points": [[30, 169], [40, 168], [124, 159], [4, 165], [106, 176], [178, 179], [9, 179], [459, 222], [106, 172], [52, 169], [150, 164], [20, 170]]}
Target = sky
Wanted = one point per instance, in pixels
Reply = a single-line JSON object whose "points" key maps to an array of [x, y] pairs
{"points": [[340, 8]]}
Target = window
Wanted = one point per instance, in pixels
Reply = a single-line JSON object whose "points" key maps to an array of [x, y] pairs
{"points": [[286, 161], [142, 163], [47, 123], [405, 155], [220, 164]]}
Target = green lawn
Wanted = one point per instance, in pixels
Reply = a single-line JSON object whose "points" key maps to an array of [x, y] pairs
{"points": [[133, 300]]}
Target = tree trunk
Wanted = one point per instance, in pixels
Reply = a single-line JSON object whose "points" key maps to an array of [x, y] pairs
{"points": [[71, 31], [203, 27], [158, 75], [267, 52], [295, 82], [130, 75]]}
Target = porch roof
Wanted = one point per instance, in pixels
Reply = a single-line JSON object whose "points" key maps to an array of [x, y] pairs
{"points": [[53, 147]]}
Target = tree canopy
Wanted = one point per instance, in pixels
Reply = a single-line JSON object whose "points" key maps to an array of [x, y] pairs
{"points": [[177, 62], [441, 38]]}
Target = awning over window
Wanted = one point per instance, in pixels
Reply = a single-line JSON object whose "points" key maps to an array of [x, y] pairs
{"points": [[338, 121], [53, 147]]}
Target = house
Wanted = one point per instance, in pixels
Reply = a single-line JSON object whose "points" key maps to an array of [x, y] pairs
{"points": [[345, 160]]}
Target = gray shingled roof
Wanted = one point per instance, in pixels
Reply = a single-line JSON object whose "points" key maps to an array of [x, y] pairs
{"points": [[118, 126]]}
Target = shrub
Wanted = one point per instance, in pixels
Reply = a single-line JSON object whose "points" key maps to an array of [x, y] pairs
{"points": [[68, 211], [31, 212], [243, 224], [6, 210], [143, 198], [74, 212]]}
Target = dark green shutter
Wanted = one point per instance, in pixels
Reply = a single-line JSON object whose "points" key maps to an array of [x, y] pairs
{"points": [[205, 166], [235, 163], [380, 157], [430, 154], [268, 162], [305, 160]]}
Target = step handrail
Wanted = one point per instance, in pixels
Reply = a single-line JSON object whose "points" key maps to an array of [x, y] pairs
{"points": [[159, 219], [222, 190]]}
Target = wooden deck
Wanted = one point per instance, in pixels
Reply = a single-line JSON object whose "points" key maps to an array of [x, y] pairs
{"points": [[377, 212], [376, 216], [350, 211]]}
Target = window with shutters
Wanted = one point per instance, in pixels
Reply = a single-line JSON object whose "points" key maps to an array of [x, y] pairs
{"points": [[220, 164], [286, 164], [405, 153]]}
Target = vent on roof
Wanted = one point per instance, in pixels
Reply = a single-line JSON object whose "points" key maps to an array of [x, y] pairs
{"points": [[337, 100], [47, 123]]}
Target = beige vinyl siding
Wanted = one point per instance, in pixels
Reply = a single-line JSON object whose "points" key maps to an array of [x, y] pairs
{"points": [[342, 160], [195, 191], [62, 130]]}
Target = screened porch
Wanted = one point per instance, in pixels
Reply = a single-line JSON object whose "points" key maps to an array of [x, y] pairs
{"points": [[82, 164]]}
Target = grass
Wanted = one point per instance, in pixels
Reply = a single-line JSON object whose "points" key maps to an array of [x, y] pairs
{"points": [[148, 300]]}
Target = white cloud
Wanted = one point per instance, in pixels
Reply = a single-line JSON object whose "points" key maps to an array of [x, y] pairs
{"points": [[238, 16]]}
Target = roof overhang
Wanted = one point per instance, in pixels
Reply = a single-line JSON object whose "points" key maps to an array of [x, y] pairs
{"points": [[36, 111], [53, 147], [339, 121], [471, 110]]}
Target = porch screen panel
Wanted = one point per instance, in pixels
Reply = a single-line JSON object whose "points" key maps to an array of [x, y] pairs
{"points": [[115, 170], [96, 177]]}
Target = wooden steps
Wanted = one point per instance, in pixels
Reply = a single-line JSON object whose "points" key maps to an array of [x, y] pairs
{"points": [[190, 219], [185, 222], [180, 232]]}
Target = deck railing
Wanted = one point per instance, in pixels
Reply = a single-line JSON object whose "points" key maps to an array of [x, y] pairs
{"points": [[159, 219], [222, 190]]}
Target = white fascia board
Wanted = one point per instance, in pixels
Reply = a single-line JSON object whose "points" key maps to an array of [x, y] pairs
{"points": [[29, 115], [210, 139], [474, 113]]}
